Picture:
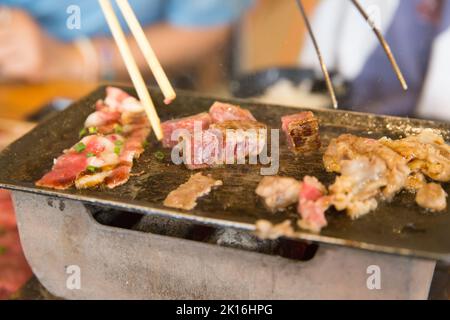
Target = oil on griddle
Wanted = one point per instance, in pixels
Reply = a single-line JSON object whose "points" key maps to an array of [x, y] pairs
{"points": [[399, 227]]}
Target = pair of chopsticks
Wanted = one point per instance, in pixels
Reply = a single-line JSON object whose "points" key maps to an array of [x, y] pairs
{"points": [[130, 62], [377, 32]]}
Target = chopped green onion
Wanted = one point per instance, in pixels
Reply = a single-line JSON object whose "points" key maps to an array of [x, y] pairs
{"points": [[117, 150], [118, 129], [90, 155], [145, 144], [2, 250], [93, 130], [83, 132], [118, 143], [80, 147], [159, 155], [91, 169]]}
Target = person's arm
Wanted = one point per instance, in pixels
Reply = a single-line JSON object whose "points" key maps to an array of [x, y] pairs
{"points": [[174, 46], [28, 53]]}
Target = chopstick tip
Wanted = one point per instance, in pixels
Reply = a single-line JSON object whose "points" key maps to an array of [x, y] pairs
{"points": [[336, 105], [169, 100], [159, 135]]}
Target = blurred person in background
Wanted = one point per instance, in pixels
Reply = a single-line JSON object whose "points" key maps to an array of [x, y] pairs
{"points": [[418, 32], [43, 40]]}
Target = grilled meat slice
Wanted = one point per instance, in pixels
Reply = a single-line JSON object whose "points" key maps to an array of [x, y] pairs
{"points": [[185, 196]]}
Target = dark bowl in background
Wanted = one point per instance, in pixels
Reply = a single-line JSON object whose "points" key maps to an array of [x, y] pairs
{"points": [[256, 84]]}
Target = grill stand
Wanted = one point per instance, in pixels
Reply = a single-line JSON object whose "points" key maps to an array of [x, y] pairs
{"points": [[125, 264]]}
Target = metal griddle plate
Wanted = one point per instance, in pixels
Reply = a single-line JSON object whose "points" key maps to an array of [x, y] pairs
{"points": [[400, 227]]}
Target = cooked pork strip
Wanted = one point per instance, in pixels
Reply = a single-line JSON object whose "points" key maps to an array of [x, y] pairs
{"points": [[185, 196], [103, 156], [66, 170], [91, 180], [94, 150], [102, 118], [278, 193], [117, 108], [118, 176], [115, 97]]}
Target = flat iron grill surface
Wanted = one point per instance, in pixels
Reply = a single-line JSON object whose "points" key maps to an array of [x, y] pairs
{"points": [[399, 227]]}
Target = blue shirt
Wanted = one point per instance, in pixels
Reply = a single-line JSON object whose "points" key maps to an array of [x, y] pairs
{"points": [[53, 15], [411, 38]]}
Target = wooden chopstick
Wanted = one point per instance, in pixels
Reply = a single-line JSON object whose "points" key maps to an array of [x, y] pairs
{"points": [[319, 55], [383, 43], [132, 67], [147, 50]]}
